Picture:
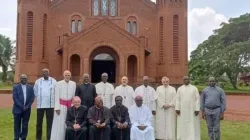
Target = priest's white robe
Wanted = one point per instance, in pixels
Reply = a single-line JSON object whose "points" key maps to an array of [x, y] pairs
{"points": [[149, 98], [188, 101], [165, 119], [141, 116], [65, 92], [127, 93], [106, 91]]}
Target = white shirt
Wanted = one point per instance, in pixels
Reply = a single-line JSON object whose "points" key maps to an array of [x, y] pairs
{"points": [[45, 92], [24, 93]]}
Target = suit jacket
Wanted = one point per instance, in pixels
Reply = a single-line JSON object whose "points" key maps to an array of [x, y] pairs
{"points": [[18, 98], [87, 93]]}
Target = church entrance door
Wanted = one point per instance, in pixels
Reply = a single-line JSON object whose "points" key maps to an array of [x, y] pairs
{"points": [[104, 60]]}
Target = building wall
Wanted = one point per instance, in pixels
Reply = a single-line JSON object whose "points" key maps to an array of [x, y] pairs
{"points": [[145, 13]]}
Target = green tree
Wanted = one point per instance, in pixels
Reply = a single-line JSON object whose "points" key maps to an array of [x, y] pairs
{"points": [[227, 51], [6, 51]]}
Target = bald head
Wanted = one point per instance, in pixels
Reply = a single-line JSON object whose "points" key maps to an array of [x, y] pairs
{"points": [[104, 77], [99, 102], [124, 80], [23, 79], [165, 81], [76, 101], [85, 78], [45, 73], [138, 100], [186, 80], [145, 81], [212, 81], [67, 75]]}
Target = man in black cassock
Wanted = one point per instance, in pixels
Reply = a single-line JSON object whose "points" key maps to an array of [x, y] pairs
{"points": [[76, 121], [120, 120], [99, 119], [87, 92]]}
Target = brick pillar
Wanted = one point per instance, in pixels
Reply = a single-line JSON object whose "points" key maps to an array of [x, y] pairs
{"points": [[65, 53], [141, 61]]}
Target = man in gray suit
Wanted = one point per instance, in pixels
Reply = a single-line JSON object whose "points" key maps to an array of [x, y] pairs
{"points": [[213, 106]]}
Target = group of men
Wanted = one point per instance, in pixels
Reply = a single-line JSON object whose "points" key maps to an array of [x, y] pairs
{"points": [[102, 112]]}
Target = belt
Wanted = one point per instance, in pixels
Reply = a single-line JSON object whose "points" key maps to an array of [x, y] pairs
{"points": [[66, 103], [212, 108]]}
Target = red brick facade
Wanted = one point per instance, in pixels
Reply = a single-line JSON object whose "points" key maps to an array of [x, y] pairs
{"points": [[144, 38]]}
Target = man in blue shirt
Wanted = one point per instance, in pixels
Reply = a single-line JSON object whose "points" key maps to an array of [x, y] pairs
{"points": [[213, 106], [23, 97]]}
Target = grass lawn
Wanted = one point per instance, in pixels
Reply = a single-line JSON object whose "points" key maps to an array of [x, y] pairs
{"points": [[4, 87], [229, 130]]}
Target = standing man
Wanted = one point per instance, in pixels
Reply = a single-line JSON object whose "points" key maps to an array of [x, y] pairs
{"points": [[141, 120], [64, 92], [105, 90], [87, 92], [148, 93], [126, 91], [213, 106], [76, 121], [23, 97], [120, 120], [44, 90], [187, 109], [99, 119], [166, 116]]}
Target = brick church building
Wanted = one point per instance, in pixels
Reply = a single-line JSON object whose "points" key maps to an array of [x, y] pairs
{"points": [[121, 37]]}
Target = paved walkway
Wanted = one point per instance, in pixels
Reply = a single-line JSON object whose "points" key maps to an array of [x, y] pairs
{"points": [[238, 107]]}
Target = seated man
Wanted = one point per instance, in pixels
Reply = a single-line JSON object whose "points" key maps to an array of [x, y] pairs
{"points": [[120, 120], [76, 121], [98, 117], [141, 118]]}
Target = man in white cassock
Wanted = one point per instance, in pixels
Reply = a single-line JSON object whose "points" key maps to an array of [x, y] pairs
{"points": [[126, 92], [187, 109], [105, 90], [141, 117], [149, 96], [165, 116], [64, 92]]}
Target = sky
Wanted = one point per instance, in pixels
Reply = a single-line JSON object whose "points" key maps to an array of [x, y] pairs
{"points": [[203, 17]]}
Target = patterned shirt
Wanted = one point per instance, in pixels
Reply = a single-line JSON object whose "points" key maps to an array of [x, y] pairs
{"points": [[45, 92]]}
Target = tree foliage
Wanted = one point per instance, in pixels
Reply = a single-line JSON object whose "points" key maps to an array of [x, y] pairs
{"points": [[6, 51], [227, 51]]}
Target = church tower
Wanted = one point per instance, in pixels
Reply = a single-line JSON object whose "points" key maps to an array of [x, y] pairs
{"points": [[32, 16], [172, 27]]}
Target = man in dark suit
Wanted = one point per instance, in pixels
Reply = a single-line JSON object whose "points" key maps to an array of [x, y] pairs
{"points": [[23, 97], [87, 92]]}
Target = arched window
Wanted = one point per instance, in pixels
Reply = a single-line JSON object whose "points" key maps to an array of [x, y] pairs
{"points": [[134, 28], [44, 35], [128, 26], [79, 26], [95, 7], [112, 8], [175, 38], [104, 7], [73, 26], [29, 45]]}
